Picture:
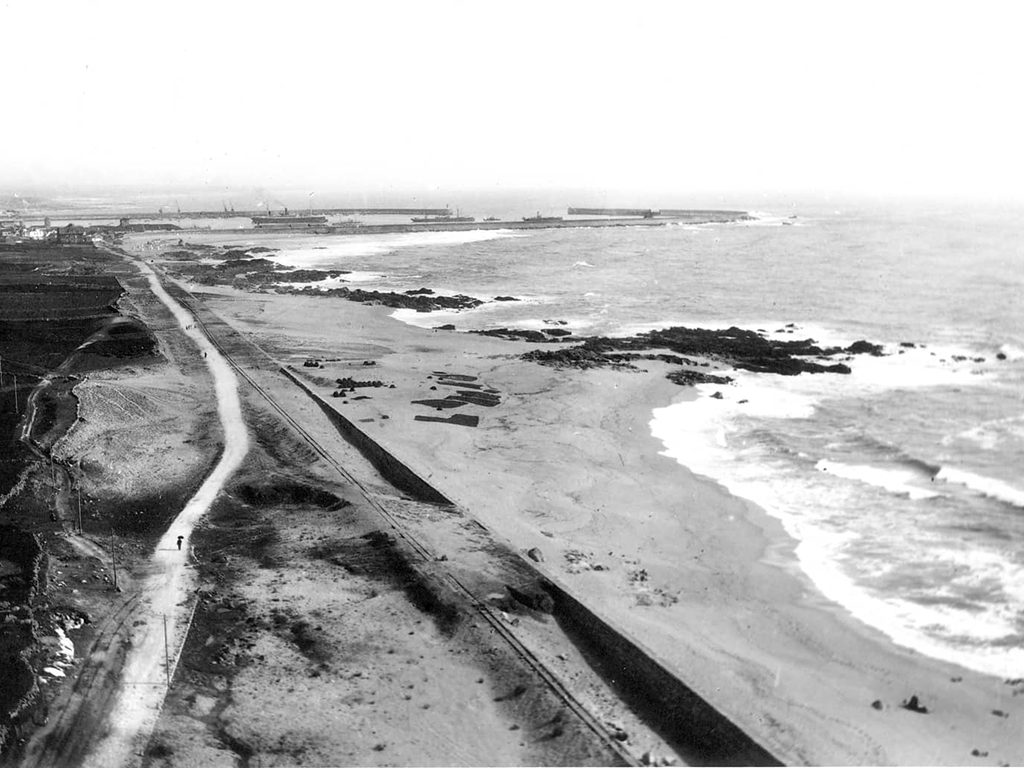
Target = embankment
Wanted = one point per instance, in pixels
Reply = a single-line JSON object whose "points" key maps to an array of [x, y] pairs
{"points": [[22, 581], [396, 473], [698, 731]]}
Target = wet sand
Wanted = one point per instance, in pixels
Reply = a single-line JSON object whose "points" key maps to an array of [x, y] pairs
{"points": [[565, 463]]}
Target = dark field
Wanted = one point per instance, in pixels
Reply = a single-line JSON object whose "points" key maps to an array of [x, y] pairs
{"points": [[58, 319]]}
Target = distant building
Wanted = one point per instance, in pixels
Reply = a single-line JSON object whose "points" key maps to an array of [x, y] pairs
{"points": [[41, 234], [74, 234]]}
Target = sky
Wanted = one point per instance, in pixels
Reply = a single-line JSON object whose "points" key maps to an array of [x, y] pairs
{"points": [[882, 98]]}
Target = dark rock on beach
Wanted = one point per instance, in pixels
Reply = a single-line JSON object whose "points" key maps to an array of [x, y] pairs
{"points": [[688, 378], [253, 273], [865, 348], [419, 302], [306, 275], [240, 269], [914, 705], [743, 349], [589, 354], [350, 383], [516, 334]]}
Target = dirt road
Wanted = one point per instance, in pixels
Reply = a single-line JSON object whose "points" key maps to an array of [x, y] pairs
{"points": [[169, 581]]}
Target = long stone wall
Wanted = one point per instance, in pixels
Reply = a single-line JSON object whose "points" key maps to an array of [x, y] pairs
{"points": [[696, 729]]}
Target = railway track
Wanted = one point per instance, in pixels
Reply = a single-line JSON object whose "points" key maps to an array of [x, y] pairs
{"points": [[489, 615], [64, 741]]}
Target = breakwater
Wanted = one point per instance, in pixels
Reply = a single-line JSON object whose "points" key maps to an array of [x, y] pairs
{"points": [[462, 226], [170, 215], [662, 213]]}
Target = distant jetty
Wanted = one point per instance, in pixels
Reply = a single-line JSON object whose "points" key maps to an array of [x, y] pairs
{"points": [[663, 213], [544, 222], [315, 221]]}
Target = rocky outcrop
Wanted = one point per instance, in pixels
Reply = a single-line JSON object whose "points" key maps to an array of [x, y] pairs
{"points": [[865, 348], [736, 347], [418, 302], [689, 378], [516, 334]]}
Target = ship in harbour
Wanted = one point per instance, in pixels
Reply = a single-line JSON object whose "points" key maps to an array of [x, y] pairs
{"points": [[538, 219], [287, 219]]}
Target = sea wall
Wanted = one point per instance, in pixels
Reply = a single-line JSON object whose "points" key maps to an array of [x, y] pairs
{"points": [[700, 733], [696, 730], [396, 472]]}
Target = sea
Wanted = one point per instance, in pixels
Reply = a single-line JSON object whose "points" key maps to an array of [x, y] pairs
{"points": [[903, 482]]}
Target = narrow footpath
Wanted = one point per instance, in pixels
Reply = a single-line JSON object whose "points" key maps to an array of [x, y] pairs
{"points": [[169, 583]]}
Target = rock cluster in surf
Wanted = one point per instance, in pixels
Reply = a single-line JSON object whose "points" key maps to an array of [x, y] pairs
{"points": [[242, 269], [736, 347]]}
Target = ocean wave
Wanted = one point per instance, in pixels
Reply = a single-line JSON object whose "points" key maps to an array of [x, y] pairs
{"points": [[990, 435], [986, 486], [870, 564], [335, 282], [307, 250], [893, 480], [582, 264]]}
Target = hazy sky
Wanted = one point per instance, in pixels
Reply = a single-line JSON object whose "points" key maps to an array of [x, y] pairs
{"points": [[860, 97]]}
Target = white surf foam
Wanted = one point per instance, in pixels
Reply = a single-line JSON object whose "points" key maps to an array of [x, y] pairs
{"points": [[479, 313], [986, 486], [990, 435], [710, 437], [306, 250], [335, 282], [699, 434], [893, 480]]}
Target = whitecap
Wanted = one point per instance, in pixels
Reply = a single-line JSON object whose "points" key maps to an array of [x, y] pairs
{"points": [[892, 480], [986, 486]]}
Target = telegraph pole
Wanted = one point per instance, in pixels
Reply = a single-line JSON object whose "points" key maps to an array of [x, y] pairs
{"points": [[15, 392], [80, 528], [113, 557]]}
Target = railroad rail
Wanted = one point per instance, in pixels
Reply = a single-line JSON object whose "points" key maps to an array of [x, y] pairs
{"points": [[482, 608], [66, 739]]}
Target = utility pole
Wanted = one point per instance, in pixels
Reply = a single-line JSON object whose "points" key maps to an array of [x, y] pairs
{"points": [[15, 392], [80, 528], [167, 655], [113, 557]]}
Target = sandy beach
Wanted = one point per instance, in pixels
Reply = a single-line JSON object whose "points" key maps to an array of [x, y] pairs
{"points": [[438, 552], [566, 464]]}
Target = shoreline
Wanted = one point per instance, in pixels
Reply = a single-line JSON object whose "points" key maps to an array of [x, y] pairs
{"points": [[695, 561]]}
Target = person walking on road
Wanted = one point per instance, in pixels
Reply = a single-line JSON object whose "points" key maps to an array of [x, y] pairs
{"points": [[179, 541]]}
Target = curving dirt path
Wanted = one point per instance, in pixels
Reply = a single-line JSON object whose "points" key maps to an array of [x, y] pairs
{"points": [[169, 582]]}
